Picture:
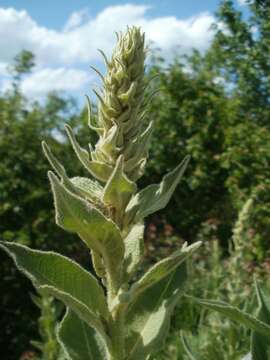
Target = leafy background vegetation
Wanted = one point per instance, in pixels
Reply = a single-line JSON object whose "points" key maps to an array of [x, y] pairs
{"points": [[213, 106]]}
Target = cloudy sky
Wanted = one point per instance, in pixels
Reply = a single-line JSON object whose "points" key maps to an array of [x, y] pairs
{"points": [[65, 35]]}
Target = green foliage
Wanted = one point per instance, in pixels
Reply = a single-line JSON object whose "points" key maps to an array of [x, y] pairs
{"points": [[26, 215]]}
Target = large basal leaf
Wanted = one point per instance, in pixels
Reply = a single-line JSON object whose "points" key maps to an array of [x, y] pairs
{"points": [[237, 315], [148, 318], [62, 278], [98, 232], [163, 268], [78, 340], [119, 188], [260, 343], [155, 197]]}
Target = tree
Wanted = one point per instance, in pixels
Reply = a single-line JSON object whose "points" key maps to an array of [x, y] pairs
{"points": [[26, 214]]}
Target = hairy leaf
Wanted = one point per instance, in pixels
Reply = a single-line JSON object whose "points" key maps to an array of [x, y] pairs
{"points": [[100, 170], [78, 340], [155, 197], [148, 318], [119, 188], [98, 232], [141, 145], [62, 278], [163, 268], [84, 187], [82, 154], [91, 189], [237, 315], [134, 248]]}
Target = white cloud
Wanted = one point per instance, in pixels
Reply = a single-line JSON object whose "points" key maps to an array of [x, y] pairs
{"points": [[170, 33], [3, 69], [81, 36], [242, 2], [59, 53], [40, 82], [76, 19]]}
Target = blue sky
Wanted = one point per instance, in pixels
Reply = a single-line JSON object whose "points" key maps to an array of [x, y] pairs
{"points": [[54, 13], [64, 35]]}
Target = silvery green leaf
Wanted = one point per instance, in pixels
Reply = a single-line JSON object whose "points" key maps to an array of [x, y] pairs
{"points": [[134, 248], [108, 143], [119, 188], [98, 232], [82, 154], [81, 186], [237, 315], [148, 318], [259, 343], [125, 97], [59, 168], [78, 307], [62, 278], [138, 170], [163, 268], [140, 148], [78, 340], [99, 130], [155, 197], [100, 170], [91, 189]]}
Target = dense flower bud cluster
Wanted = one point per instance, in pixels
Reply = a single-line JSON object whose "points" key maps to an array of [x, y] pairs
{"points": [[122, 105]]}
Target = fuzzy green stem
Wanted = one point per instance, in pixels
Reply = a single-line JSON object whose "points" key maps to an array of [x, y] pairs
{"points": [[118, 337]]}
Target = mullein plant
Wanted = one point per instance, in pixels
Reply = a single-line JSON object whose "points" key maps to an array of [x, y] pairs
{"points": [[116, 318]]}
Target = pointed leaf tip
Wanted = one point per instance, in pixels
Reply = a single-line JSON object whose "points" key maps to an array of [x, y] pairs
{"points": [[163, 269], [155, 197]]}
